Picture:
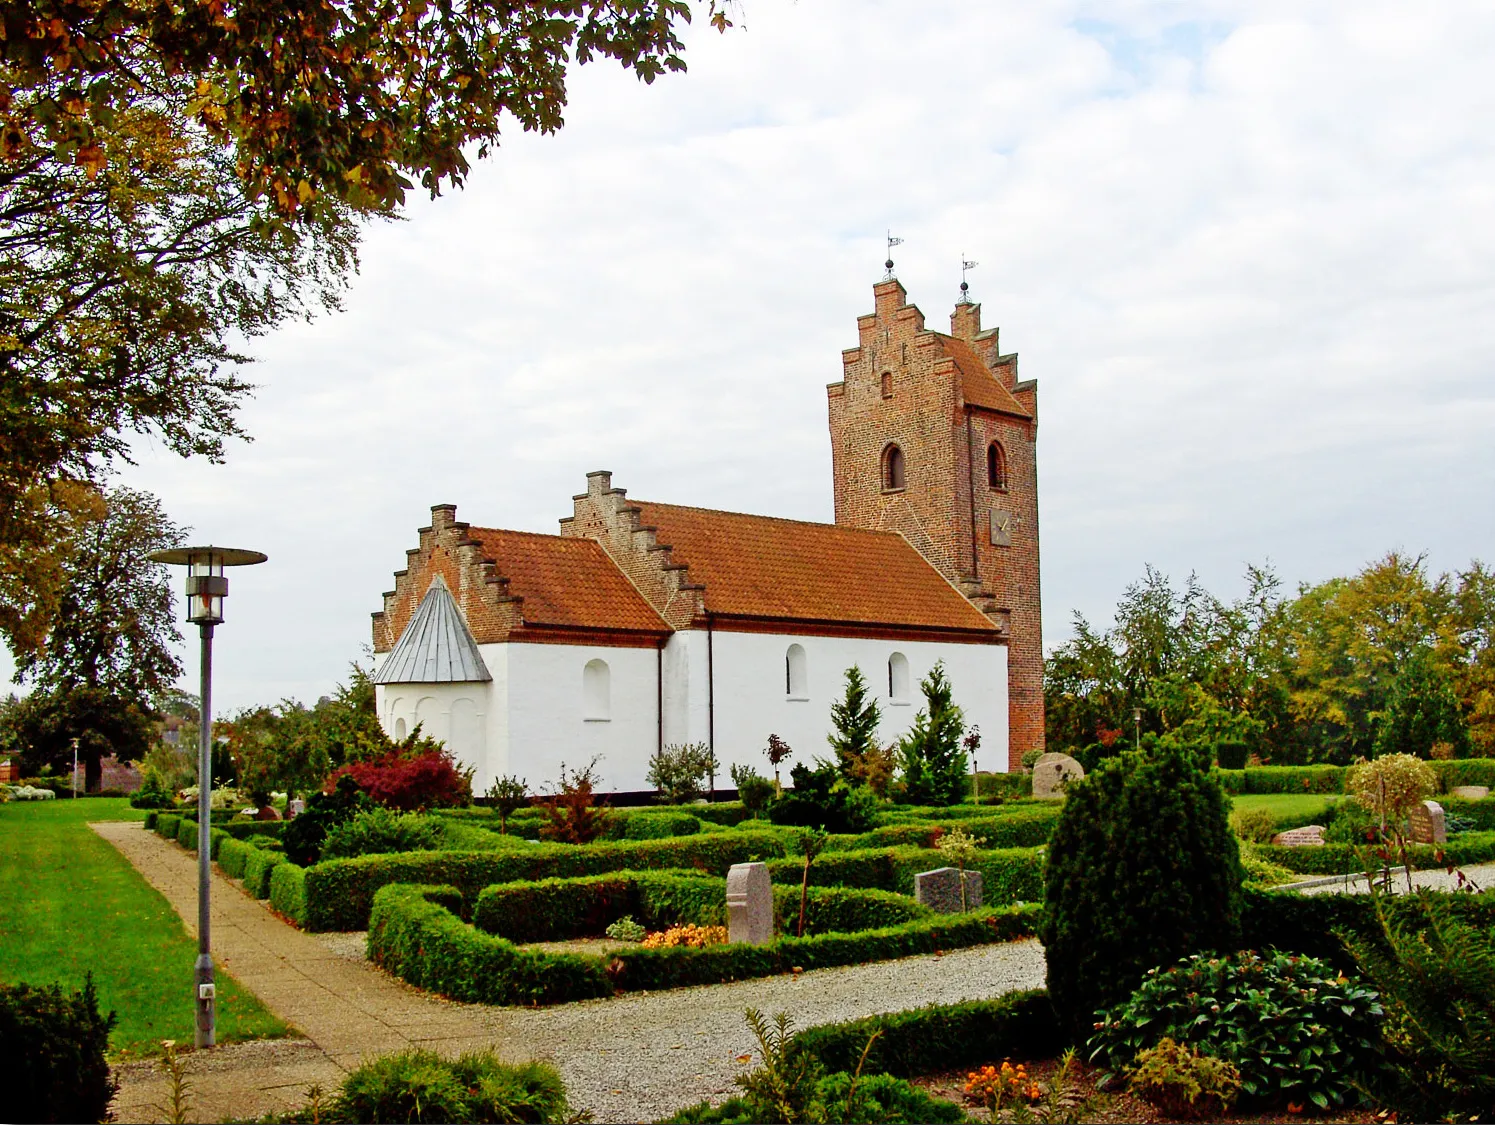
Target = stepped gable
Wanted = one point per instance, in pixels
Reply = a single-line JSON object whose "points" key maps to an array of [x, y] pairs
{"points": [[760, 573], [436, 647], [518, 586], [978, 386]]}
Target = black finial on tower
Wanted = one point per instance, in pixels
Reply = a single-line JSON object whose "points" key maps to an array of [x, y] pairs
{"points": [[888, 265], [965, 289]]}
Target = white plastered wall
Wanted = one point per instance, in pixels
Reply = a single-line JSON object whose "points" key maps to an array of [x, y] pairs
{"points": [[751, 700]]}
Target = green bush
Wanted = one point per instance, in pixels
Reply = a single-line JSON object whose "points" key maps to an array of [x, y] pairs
{"points": [[564, 909], [1232, 755], [166, 825], [379, 831], [1004, 785], [1255, 826], [871, 1099], [420, 1086], [1343, 859], [258, 865], [843, 910], [1481, 813], [1264, 873], [1021, 826], [1436, 975], [820, 799], [54, 1045], [1296, 1028], [1182, 1083], [652, 825], [339, 892], [1008, 874], [304, 835], [1143, 869], [940, 1037], [288, 891]]}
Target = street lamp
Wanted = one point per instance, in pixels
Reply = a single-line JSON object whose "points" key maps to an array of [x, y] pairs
{"points": [[206, 587], [1137, 720]]}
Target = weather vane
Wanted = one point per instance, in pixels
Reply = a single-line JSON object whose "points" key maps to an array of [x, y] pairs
{"points": [[888, 265], [965, 289]]}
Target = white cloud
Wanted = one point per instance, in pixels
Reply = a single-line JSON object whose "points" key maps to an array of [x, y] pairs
{"points": [[1246, 249]]}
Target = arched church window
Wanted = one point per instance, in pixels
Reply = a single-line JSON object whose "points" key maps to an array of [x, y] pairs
{"points": [[400, 730], [893, 474], [898, 678], [996, 466], [596, 692], [796, 673], [887, 384]]}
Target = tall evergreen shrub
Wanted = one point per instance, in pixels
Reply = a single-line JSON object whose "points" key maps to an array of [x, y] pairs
{"points": [[1143, 869], [54, 1044], [854, 720], [935, 768]]}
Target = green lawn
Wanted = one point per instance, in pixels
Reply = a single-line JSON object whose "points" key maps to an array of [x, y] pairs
{"points": [[1292, 810], [70, 904]]}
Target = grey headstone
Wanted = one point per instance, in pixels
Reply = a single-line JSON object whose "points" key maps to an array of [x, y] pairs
{"points": [[1427, 824], [749, 904], [1309, 836], [1052, 772], [1470, 792], [294, 808], [940, 890]]}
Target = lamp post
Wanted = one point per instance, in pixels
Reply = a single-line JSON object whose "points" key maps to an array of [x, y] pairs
{"points": [[206, 588], [1137, 721]]}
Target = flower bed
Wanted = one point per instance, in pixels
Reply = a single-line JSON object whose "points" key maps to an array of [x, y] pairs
{"points": [[415, 934]]}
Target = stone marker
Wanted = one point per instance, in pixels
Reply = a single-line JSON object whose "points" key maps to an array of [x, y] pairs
{"points": [[295, 808], [1309, 836], [1426, 822], [749, 904], [1470, 792], [940, 889], [1052, 772]]}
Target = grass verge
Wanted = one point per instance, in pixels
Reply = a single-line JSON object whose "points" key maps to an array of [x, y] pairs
{"points": [[71, 904]]}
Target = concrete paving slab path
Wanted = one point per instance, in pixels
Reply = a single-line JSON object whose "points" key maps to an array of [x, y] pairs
{"points": [[635, 1057]]}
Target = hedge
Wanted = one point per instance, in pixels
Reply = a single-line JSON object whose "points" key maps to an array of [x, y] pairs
{"points": [[232, 855], [1023, 826], [1307, 923], [288, 892], [339, 893], [258, 866], [1283, 779], [1481, 812], [166, 825], [940, 1037], [414, 934], [563, 909], [1007, 874], [1344, 859], [1465, 771]]}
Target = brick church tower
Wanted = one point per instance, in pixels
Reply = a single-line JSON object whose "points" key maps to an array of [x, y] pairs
{"points": [[933, 436]]}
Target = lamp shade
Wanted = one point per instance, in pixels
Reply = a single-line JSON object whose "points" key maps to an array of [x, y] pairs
{"points": [[206, 584]]}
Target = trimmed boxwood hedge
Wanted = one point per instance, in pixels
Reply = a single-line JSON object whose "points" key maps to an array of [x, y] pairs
{"points": [[288, 892], [564, 909], [1023, 826], [1007, 874], [414, 934], [940, 1037], [339, 893], [258, 866], [1283, 779], [1481, 812]]}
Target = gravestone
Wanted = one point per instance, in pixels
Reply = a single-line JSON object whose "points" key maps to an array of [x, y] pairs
{"points": [[940, 890], [294, 808], [749, 904], [1426, 822], [1052, 772], [1470, 792], [1309, 836]]}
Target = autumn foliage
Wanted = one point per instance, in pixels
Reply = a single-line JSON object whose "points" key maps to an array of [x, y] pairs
{"points": [[427, 780]]}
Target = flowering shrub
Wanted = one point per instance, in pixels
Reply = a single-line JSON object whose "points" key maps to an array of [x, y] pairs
{"points": [[427, 780], [993, 1088], [1297, 1030], [695, 937], [30, 793], [1183, 1083]]}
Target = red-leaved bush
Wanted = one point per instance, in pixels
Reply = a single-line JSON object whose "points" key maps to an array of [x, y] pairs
{"points": [[429, 780]]}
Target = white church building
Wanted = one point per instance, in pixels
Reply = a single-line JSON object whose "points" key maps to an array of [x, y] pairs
{"points": [[642, 625]]}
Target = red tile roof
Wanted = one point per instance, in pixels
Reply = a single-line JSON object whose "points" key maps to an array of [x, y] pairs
{"points": [[570, 583], [759, 566], [979, 387]]}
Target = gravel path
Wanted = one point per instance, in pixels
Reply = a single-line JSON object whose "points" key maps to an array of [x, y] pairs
{"points": [[1482, 875], [629, 1058]]}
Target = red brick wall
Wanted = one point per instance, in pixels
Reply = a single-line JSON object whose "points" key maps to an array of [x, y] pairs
{"points": [[944, 443]]}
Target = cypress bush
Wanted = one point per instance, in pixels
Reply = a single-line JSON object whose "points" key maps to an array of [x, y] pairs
{"points": [[53, 1043], [1143, 869]]}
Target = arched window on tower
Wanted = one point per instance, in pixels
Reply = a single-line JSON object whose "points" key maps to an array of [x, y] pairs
{"points": [[796, 674], [898, 678], [596, 692], [887, 384], [892, 469], [996, 466]]}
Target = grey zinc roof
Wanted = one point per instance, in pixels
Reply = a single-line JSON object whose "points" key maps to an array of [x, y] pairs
{"points": [[436, 647]]}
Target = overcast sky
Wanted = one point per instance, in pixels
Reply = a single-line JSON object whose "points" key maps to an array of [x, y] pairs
{"points": [[1245, 249]]}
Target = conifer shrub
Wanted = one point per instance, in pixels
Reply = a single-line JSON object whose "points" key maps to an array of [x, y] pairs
{"points": [[53, 1043], [420, 1085], [1142, 869]]}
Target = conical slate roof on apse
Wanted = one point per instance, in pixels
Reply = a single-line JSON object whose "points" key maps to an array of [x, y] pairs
{"points": [[436, 647]]}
